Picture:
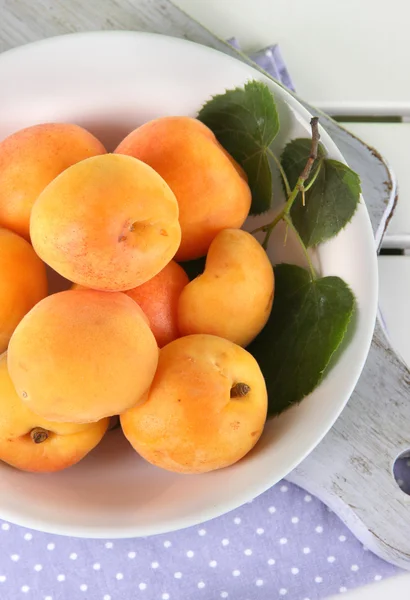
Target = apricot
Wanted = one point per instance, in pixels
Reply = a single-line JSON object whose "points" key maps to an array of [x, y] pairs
{"points": [[31, 443], [205, 410], [158, 299], [211, 188], [79, 356], [23, 282], [30, 159], [109, 222], [233, 297]]}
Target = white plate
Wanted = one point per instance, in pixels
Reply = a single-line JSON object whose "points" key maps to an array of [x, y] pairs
{"points": [[110, 82]]}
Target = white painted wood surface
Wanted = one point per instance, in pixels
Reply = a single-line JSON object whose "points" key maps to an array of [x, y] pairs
{"points": [[351, 469], [392, 140], [394, 273], [347, 57]]}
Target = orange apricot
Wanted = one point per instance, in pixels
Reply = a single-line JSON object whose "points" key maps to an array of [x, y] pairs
{"points": [[30, 159], [108, 223], [158, 298], [211, 188], [205, 410], [233, 296], [23, 282], [79, 356], [31, 443]]}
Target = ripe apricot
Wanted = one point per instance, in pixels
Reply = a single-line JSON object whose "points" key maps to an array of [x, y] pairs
{"points": [[109, 223], [23, 282], [30, 159], [31, 443], [79, 356], [158, 299], [205, 410], [210, 187], [233, 297]]}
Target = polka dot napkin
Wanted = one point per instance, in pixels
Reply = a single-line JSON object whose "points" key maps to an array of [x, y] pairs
{"points": [[285, 544]]}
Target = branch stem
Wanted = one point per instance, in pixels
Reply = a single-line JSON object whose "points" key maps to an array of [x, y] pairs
{"points": [[299, 187], [314, 177], [281, 171], [290, 224]]}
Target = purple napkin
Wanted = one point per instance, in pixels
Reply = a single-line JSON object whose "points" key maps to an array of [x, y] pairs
{"points": [[271, 60], [285, 544]]}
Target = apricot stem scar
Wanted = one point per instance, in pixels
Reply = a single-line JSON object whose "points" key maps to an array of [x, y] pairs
{"points": [[239, 390], [38, 435]]}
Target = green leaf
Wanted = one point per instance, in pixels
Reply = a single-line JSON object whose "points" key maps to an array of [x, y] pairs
{"points": [[331, 201], [308, 321], [245, 121]]}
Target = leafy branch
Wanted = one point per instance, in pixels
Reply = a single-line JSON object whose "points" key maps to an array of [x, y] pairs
{"points": [[310, 314], [281, 171], [289, 223], [292, 194]]}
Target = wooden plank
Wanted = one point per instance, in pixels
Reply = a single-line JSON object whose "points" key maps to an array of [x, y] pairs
{"points": [[25, 21], [394, 273], [351, 469], [392, 140]]}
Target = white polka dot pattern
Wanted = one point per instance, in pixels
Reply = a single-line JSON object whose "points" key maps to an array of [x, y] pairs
{"points": [[284, 544]]}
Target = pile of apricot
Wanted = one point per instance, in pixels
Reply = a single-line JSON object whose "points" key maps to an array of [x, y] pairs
{"points": [[131, 335]]}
